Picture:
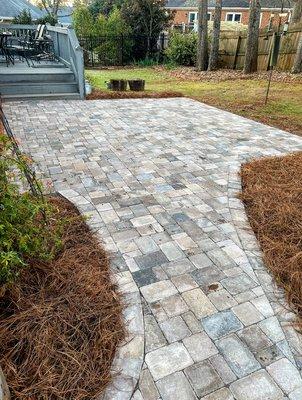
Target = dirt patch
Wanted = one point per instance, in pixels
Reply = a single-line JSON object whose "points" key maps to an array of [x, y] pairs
{"points": [[189, 73], [272, 194], [105, 94], [61, 323]]}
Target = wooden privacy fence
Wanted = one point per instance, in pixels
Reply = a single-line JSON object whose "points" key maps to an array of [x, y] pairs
{"points": [[233, 44]]}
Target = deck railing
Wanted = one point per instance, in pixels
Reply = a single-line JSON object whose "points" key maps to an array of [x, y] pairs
{"points": [[66, 47]]}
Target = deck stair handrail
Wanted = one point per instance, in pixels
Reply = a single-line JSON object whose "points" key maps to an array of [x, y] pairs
{"points": [[66, 47]]}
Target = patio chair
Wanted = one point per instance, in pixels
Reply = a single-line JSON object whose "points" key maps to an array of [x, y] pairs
{"points": [[29, 38], [36, 48]]}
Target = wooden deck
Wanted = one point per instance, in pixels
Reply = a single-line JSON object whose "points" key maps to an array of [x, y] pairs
{"points": [[43, 67]]}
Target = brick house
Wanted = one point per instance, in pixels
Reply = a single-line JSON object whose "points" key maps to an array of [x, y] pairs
{"points": [[186, 11]]}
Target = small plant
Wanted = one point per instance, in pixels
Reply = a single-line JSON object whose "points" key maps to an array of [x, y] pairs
{"points": [[146, 62], [182, 49], [25, 231]]}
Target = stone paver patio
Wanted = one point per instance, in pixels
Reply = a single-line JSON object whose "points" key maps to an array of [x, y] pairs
{"points": [[159, 180]]}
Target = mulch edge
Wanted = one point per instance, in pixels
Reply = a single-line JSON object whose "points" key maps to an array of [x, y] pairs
{"points": [[98, 94], [118, 301], [285, 316], [124, 357]]}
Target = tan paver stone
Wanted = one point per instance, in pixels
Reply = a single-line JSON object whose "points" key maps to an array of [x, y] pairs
{"points": [[198, 303]]}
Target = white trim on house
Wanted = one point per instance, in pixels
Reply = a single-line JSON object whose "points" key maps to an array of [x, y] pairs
{"points": [[195, 13], [233, 16], [260, 20], [232, 9]]}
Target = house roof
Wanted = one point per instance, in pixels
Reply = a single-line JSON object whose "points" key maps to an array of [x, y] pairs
{"points": [[12, 8], [65, 15], [226, 3]]}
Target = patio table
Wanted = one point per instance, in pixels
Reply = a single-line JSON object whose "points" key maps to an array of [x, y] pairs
{"points": [[3, 44]]}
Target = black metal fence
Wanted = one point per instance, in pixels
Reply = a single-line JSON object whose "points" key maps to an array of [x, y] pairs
{"points": [[110, 50]]}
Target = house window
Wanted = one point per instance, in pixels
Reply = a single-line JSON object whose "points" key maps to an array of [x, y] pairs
{"points": [[193, 16], [233, 17]]}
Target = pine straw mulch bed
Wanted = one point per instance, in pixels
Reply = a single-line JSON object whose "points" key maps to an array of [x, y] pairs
{"points": [[222, 75], [106, 94], [61, 323], [272, 194]]}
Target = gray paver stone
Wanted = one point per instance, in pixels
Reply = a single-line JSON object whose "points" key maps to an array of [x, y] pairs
{"points": [[221, 394], [168, 359], [200, 346], [175, 329], [221, 324], [257, 386], [154, 337], [175, 386], [237, 355], [203, 378], [285, 374], [147, 386], [158, 291]]}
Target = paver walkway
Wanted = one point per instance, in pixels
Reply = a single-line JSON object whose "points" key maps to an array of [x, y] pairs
{"points": [[159, 179]]}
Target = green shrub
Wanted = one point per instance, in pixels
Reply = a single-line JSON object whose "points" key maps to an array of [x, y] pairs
{"points": [[47, 19], [83, 21], [24, 18], [182, 48], [24, 231]]}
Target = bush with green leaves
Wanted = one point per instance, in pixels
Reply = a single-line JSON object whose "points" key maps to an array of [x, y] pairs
{"points": [[182, 48], [25, 233], [108, 37]]}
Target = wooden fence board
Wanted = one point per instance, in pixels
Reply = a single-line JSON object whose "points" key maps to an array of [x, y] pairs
{"points": [[233, 44]]}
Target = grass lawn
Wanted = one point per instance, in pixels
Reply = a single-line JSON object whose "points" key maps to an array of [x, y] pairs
{"points": [[243, 97]]}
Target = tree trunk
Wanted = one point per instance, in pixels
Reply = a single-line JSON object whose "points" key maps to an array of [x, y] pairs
{"points": [[213, 61], [148, 47], [251, 52], [202, 47], [297, 67], [297, 12]]}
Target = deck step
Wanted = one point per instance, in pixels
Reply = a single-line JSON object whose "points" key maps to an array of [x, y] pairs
{"points": [[41, 75], [51, 96], [38, 88]]}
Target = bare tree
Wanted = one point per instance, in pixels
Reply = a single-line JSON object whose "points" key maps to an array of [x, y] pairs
{"points": [[297, 11], [213, 60], [251, 52], [52, 6], [297, 67], [202, 47]]}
